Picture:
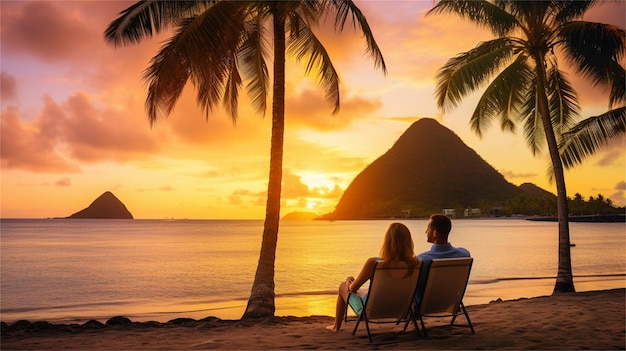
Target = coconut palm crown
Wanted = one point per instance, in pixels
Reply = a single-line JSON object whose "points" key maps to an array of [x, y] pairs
{"points": [[220, 45], [523, 82]]}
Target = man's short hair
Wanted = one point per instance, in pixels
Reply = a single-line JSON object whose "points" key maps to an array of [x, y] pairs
{"points": [[441, 223]]}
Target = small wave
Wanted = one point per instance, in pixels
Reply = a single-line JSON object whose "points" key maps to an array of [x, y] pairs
{"points": [[308, 293], [61, 307], [502, 279]]}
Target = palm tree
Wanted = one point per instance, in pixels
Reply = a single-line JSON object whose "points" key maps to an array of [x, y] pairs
{"points": [[524, 82], [219, 44]]}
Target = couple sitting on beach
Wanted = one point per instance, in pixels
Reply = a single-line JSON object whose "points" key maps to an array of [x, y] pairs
{"points": [[397, 251]]}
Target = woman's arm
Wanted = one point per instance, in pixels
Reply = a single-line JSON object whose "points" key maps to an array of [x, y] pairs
{"points": [[364, 275]]}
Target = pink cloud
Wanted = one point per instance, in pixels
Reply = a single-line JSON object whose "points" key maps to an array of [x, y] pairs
{"points": [[8, 86], [27, 147], [103, 134], [42, 29], [76, 130]]}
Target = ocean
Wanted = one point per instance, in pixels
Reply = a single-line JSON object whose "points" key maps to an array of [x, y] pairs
{"points": [[72, 271]]}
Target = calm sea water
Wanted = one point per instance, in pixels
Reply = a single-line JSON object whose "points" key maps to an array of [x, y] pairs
{"points": [[76, 270]]}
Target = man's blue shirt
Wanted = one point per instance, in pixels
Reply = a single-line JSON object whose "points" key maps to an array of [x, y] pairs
{"points": [[436, 251]]}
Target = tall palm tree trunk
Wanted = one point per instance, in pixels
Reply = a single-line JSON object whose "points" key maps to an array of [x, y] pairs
{"points": [[261, 302], [564, 279]]}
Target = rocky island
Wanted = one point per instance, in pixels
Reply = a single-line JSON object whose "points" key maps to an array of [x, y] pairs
{"points": [[106, 206]]}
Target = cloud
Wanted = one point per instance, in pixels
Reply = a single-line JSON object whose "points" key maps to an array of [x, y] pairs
{"points": [[63, 182], [611, 154], [246, 197], [8, 86], [94, 134], [621, 186], [29, 147], [43, 30], [293, 187], [76, 130], [310, 109]]}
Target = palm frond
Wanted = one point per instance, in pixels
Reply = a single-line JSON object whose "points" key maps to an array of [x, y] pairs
{"points": [[212, 37], [216, 38], [572, 9], [482, 13], [529, 13], [591, 134], [533, 128], [148, 17], [503, 97], [617, 76], [591, 47], [562, 100], [345, 8], [305, 45], [253, 52], [166, 77], [231, 90], [467, 71]]}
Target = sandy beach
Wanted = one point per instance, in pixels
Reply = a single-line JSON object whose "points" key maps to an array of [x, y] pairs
{"points": [[587, 320]]}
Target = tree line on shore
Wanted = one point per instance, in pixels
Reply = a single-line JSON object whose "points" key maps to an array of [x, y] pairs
{"points": [[547, 206]]}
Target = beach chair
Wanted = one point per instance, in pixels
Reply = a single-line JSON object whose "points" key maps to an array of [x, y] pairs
{"points": [[445, 287], [389, 299]]}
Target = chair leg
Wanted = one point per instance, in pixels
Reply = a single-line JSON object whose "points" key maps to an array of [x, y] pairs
{"points": [[467, 317], [367, 327], [358, 321], [419, 315], [419, 334], [462, 308], [363, 317]]}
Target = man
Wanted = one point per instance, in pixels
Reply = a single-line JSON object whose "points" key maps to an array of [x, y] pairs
{"points": [[437, 232]]}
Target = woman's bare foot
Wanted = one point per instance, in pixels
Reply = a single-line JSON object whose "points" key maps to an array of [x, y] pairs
{"points": [[331, 328]]}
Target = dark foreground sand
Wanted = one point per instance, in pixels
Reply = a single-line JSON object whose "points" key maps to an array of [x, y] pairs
{"points": [[588, 320]]}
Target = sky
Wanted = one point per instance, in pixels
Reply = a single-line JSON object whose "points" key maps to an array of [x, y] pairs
{"points": [[74, 124]]}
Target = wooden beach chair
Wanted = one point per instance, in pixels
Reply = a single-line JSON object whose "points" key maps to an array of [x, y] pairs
{"points": [[389, 299], [445, 287]]}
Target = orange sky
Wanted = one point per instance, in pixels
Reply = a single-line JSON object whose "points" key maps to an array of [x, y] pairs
{"points": [[74, 126]]}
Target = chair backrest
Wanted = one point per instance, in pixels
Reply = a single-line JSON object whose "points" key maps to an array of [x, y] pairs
{"points": [[391, 291], [445, 286]]}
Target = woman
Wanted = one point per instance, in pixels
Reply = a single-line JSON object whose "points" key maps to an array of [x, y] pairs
{"points": [[397, 251]]}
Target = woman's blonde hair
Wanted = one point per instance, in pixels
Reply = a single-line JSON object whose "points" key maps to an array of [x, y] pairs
{"points": [[398, 244]]}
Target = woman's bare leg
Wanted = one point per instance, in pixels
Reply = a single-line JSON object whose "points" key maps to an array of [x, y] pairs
{"points": [[340, 307]]}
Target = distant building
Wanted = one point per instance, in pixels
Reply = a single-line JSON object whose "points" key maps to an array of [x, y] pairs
{"points": [[496, 211], [450, 212], [472, 212]]}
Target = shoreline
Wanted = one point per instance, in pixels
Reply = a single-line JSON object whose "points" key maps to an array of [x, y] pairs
{"points": [[583, 320], [301, 305]]}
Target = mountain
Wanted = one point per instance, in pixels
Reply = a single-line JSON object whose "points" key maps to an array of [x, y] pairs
{"points": [[106, 206], [428, 169], [534, 191]]}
